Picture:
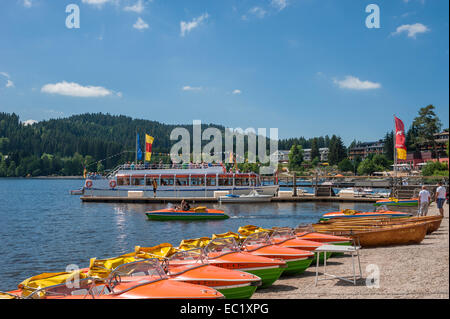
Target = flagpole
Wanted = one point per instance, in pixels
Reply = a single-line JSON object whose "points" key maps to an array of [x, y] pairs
{"points": [[395, 157], [395, 150]]}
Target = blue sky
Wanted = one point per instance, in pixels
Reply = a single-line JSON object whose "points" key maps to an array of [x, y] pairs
{"points": [[307, 67]]}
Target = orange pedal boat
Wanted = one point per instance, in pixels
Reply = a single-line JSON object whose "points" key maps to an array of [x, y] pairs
{"points": [[192, 266], [260, 244], [225, 253], [143, 279]]}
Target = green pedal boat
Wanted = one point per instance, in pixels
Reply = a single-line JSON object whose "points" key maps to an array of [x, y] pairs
{"points": [[198, 213]]}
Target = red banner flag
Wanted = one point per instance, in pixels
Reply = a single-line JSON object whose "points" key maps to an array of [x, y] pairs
{"points": [[400, 138], [148, 147]]}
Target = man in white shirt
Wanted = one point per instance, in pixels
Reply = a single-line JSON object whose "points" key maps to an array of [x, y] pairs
{"points": [[441, 194], [424, 201]]}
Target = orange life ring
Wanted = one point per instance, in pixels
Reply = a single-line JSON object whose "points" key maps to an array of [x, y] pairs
{"points": [[88, 183], [112, 184]]}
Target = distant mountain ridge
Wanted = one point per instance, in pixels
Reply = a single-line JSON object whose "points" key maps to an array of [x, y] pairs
{"points": [[63, 146]]}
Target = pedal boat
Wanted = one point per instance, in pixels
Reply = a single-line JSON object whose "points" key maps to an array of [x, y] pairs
{"points": [[412, 202], [327, 239], [225, 253], [354, 214], [192, 266], [259, 244], [285, 237], [199, 213], [144, 279]]}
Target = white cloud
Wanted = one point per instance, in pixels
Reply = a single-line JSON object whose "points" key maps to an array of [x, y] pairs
{"points": [[96, 3], [138, 7], [27, 3], [258, 12], [279, 4], [236, 91], [140, 24], [411, 29], [191, 88], [9, 84], [76, 90], [29, 122], [187, 27], [353, 83]]}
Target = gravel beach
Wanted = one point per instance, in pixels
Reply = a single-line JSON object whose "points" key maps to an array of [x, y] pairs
{"points": [[410, 271]]}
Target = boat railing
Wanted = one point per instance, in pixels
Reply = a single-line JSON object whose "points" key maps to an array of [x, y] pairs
{"points": [[148, 166]]}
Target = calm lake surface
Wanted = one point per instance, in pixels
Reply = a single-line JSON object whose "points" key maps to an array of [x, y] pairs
{"points": [[44, 229]]}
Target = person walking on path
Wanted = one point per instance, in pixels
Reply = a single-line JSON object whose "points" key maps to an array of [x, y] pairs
{"points": [[424, 201], [441, 194], [155, 186]]}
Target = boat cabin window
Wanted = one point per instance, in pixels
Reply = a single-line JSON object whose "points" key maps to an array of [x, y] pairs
{"points": [[225, 181], [182, 181], [149, 180], [124, 180], [210, 181], [198, 181], [166, 181], [242, 181], [136, 181]]}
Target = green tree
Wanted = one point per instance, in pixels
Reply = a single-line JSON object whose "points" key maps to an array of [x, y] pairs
{"points": [[389, 145], [295, 157], [427, 124], [337, 150], [435, 168], [315, 148], [11, 169], [346, 165]]}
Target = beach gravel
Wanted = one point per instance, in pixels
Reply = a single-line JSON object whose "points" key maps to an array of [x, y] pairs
{"points": [[408, 271]]}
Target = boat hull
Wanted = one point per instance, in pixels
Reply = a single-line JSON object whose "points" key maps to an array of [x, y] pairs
{"points": [[185, 216], [388, 236], [238, 292], [268, 275], [171, 214]]}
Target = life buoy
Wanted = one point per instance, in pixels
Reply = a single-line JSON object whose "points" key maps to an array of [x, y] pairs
{"points": [[88, 183], [112, 184]]}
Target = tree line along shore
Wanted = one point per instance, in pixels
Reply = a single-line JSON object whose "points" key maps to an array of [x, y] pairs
{"points": [[98, 142]]}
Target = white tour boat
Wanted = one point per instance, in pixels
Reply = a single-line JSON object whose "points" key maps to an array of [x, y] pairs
{"points": [[253, 197], [178, 180]]}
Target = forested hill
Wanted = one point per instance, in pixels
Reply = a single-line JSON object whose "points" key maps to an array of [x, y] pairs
{"points": [[64, 146]]}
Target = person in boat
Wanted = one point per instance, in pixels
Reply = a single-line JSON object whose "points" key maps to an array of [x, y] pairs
{"points": [[184, 206]]}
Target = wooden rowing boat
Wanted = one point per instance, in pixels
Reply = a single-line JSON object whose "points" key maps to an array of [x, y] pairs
{"points": [[433, 222], [377, 236]]}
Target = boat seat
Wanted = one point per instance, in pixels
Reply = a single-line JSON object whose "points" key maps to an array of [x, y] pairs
{"points": [[140, 274], [79, 292]]}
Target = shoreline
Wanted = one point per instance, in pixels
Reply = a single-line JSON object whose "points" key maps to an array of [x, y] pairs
{"points": [[419, 271]]}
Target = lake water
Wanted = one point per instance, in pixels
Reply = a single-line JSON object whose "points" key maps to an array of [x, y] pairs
{"points": [[44, 229]]}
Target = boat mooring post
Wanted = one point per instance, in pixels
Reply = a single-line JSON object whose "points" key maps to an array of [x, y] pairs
{"points": [[294, 185]]}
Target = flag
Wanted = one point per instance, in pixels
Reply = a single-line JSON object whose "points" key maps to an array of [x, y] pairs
{"points": [[400, 145], [148, 147], [231, 158], [84, 172], [138, 149]]}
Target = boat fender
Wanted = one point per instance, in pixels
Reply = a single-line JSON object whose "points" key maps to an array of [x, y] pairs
{"points": [[112, 184], [88, 183]]}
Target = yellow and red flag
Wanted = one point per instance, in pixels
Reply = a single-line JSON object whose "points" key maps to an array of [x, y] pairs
{"points": [[148, 147], [400, 139]]}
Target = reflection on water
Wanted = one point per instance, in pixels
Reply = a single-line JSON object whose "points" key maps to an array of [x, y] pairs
{"points": [[43, 228]]}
